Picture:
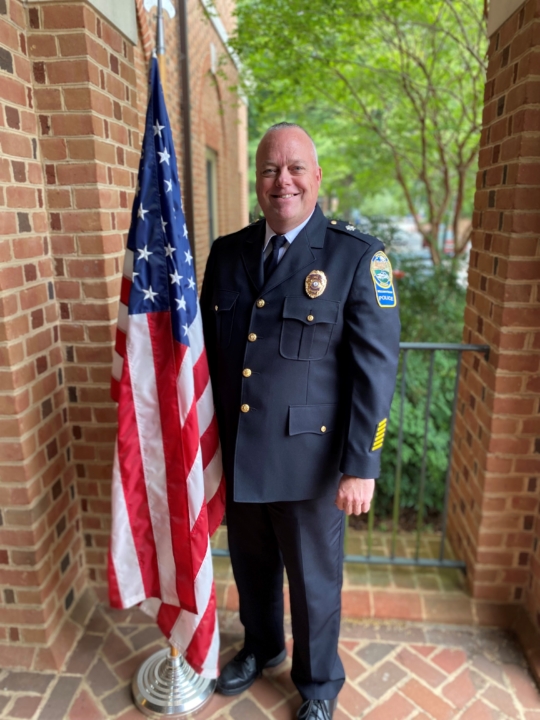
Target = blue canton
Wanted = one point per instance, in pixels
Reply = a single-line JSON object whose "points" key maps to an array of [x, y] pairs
{"points": [[163, 272]]}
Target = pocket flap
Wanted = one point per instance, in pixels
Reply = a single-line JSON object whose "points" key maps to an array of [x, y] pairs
{"points": [[224, 299], [312, 418], [321, 311]]}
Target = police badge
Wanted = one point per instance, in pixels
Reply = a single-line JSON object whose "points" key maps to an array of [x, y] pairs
{"points": [[315, 283]]}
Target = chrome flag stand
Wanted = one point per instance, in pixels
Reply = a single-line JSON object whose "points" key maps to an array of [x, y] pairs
{"points": [[165, 685]]}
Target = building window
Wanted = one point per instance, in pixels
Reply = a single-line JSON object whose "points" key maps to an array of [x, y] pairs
{"points": [[211, 194]]}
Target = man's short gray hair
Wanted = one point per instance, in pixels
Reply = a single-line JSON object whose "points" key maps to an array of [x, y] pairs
{"points": [[284, 125]]}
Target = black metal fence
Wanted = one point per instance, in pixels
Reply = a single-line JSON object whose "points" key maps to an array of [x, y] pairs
{"points": [[412, 555]]}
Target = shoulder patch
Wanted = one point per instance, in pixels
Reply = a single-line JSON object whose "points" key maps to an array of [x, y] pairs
{"points": [[381, 273], [349, 229]]}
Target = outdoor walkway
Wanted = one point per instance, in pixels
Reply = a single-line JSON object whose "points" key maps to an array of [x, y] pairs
{"points": [[396, 671]]}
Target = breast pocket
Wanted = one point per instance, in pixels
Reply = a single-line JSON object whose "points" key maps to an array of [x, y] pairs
{"points": [[224, 302], [307, 327]]}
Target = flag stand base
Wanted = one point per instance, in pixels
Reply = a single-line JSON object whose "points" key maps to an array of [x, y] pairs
{"points": [[166, 686]]}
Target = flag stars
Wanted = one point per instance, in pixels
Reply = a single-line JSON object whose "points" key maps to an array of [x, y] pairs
{"points": [[191, 283], [175, 277], [185, 228], [158, 128], [180, 303], [185, 328], [163, 224], [141, 212], [189, 256], [150, 294], [164, 156], [169, 250], [168, 183], [144, 254]]}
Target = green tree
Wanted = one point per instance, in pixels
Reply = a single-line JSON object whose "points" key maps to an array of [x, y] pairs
{"points": [[394, 86]]}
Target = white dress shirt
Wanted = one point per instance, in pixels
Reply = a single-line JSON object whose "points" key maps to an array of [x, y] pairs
{"points": [[290, 235]]}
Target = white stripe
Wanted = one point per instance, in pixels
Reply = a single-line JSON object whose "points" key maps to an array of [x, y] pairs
{"points": [[185, 385], [124, 556], [196, 337], [127, 271], [187, 623], [145, 398], [212, 475], [123, 317], [210, 665], [117, 365], [195, 488], [205, 408]]}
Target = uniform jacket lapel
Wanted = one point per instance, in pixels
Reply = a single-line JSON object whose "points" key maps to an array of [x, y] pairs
{"points": [[300, 254], [252, 255]]}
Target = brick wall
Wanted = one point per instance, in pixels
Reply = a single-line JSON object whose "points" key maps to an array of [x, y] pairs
{"points": [[494, 501], [72, 105], [41, 559]]}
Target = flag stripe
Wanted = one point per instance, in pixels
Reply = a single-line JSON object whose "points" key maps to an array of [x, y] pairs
{"points": [[175, 445], [133, 488], [147, 411]]}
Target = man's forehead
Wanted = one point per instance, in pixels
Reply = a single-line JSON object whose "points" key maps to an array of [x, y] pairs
{"points": [[278, 161]]}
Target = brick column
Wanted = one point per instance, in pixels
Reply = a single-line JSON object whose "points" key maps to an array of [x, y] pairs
{"points": [[90, 130], [41, 557], [494, 501]]}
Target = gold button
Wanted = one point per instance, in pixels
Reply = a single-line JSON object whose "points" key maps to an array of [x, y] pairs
{"points": [[244, 408], [252, 337], [323, 429], [261, 303], [310, 318], [246, 372], [333, 222], [216, 307]]}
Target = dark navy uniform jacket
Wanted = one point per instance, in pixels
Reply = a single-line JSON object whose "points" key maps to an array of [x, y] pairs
{"points": [[299, 401]]}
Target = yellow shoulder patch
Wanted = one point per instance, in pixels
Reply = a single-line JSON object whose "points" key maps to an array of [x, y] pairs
{"points": [[381, 273], [379, 435]]}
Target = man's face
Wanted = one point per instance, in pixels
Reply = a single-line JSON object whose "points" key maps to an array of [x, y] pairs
{"points": [[288, 178]]}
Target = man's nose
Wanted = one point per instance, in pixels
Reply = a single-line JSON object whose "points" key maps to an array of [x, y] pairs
{"points": [[283, 177]]}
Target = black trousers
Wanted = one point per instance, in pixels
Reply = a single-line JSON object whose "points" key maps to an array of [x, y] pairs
{"points": [[307, 538]]}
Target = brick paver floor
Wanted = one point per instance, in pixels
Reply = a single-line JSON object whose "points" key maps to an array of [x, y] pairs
{"points": [[395, 671]]}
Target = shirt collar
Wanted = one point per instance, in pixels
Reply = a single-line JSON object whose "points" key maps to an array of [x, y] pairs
{"points": [[290, 235]]}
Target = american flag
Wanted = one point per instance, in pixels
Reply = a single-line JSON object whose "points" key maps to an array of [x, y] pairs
{"points": [[168, 487]]}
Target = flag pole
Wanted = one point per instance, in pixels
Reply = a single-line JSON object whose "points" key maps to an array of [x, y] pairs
{"points": [[160, 44], [165, 685]]}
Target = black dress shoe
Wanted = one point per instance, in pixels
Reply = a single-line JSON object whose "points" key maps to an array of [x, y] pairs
{"points": [[242, 671], [317, 709]]}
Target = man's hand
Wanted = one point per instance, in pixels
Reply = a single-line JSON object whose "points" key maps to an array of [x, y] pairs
{"points": [[354, 495]]}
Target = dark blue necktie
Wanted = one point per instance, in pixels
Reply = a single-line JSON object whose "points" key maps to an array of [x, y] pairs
{"points": [[271, 262]]}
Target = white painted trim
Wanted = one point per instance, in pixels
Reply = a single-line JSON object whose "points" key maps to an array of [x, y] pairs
{"points": [[120, 13], [219, 27], [499, 12]]}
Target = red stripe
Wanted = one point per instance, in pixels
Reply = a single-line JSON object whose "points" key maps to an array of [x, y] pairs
{"points": [[166, 617], [179, 445], [120, 344], [133, 483], [201, 641], [115, 389], [125, 289], [201, 374], [209, 442], [199, 539], [216, 508], [190, 438], [115, 599]]}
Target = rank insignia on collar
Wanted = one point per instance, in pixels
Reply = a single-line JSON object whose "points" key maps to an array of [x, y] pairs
{"points": [[381, 273], [315, 283], [350, 227]]}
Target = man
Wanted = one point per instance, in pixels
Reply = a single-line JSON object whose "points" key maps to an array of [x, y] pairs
{"points": [[302, 335]]}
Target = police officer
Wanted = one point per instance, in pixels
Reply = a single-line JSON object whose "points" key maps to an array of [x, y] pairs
{"points": [[302, 334]]}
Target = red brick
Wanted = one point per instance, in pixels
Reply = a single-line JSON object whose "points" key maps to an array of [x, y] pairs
{"points": [[21, 197], [406, 606], [477, 711], [460, 690], [396, 707], [61, 17], [434, 706]]}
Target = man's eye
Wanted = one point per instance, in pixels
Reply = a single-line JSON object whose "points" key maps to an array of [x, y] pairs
{"points": [[269, 171]]}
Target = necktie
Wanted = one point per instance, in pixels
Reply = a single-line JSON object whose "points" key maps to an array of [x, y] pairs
{"points": [[271, 262]]}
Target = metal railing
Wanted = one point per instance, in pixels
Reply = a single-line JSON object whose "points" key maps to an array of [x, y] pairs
{"points": [[415, 560]]}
